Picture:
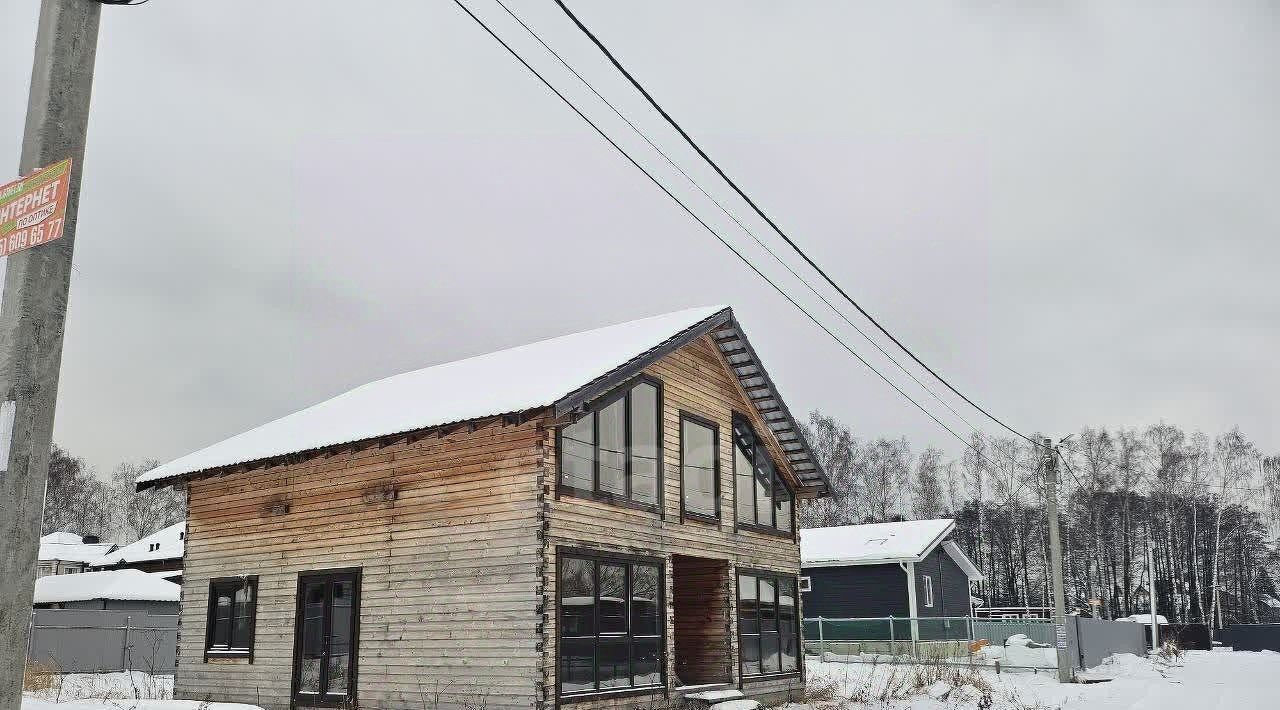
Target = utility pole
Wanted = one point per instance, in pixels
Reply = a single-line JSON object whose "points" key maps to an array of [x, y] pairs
{"points": [[1151, 576], [32, 316], [1055, 560]]}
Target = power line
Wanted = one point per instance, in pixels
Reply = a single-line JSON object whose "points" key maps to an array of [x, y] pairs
{"points": [[756, 208], [733, 217], [704, 224]]}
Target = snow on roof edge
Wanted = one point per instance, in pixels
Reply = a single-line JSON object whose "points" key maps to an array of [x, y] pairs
{"points": [[962, 561], [122, 584], [667, 326], [852, 545]]}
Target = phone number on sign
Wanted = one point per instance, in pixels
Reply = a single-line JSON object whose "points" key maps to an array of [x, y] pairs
{"points": [[32, 236]]}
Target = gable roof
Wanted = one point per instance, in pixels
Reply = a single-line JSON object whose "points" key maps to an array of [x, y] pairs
{"points": [[125, 584], [565, 373], [171, 543], [872, 544], [962, 561], [69, 547]]}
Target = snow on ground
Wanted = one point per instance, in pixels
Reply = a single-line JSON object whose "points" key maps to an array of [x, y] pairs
{"points": [[1200, 680], [115, 691]]}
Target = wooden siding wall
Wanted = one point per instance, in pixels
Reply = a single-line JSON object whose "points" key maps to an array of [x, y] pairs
{"points": [[695, 379], [450, 587]]}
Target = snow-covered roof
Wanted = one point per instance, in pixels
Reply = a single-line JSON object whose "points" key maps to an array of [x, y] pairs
{"points": [[123, 584], [69, 547], [1144, 619], [874, 543], [962, 561], [563, 371], [164, 544]]}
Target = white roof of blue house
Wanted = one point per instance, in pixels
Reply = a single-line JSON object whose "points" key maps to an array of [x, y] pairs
{"points": [[881, 543]]}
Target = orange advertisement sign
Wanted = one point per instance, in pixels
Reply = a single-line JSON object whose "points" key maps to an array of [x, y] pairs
{"points": [[33, 208]]}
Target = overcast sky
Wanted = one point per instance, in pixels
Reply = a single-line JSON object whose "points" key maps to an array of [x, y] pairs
{"points": [[1070, 210]]}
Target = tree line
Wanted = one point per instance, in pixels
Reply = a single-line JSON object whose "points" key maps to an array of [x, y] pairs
{"points": [[77, 500], [1208, 509]]}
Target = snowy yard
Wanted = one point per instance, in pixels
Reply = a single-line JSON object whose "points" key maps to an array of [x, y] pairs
{"points": [[1200, 680], [114, 691]]}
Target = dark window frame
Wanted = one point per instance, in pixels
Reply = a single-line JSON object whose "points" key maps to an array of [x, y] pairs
{"points": [[233, 584], [622, 391], [685, 513], [599, 557], [326, 699], [798, 621], [752, 525]]}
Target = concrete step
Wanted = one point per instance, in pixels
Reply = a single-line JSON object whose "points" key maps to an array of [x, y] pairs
{"points": [[712, 694], [739, 704]]}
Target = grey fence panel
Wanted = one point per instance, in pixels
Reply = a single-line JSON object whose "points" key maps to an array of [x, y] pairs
{"points": [[94, 641], [1090, 641], [997, 631]]}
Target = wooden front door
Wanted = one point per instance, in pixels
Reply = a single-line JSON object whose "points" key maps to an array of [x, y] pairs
{"points": [[326, 629]]}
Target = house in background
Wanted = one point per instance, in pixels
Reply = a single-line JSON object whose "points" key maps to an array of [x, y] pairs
{"points": [[599, 519], [160, 552], [118, 590], [68, 553], [906, 569]]}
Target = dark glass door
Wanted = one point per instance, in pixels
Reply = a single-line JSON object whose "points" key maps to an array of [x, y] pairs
{"points": [[325, 637]]}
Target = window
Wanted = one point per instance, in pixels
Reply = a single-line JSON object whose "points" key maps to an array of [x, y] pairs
{"points": [[928, 590], [326, 631], [699, 467], [233, 603], [768, 635], [613, 451], [806, 584], [764, 500], [611, 630]]}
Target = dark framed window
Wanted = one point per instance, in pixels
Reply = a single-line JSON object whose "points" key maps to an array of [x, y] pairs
{"points": [[614, 452], [768, 629], [764, 500], [233, 605], [699, 467], [611, 623], [326, 635]]}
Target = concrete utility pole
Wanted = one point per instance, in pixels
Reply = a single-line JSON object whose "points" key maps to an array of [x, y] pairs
{"points": [[1055, 559], [32, 317], [1151, 577]]}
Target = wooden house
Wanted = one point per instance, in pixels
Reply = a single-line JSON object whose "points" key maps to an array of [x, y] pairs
{"points": [[903, 569], [160, 552], [604, 519]]}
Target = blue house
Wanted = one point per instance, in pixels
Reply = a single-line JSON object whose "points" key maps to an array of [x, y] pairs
{"points": [[905, 569]]}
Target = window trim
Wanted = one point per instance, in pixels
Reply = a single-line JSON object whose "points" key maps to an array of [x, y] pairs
{"points": [[697, 516], [928, 589], [327, 699], [625, 501], [799, 622], [738, 523], [249, 581], [598, 556], [805, 583]]}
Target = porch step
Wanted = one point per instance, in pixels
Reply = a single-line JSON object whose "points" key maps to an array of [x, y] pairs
{"points": [[708, 695], [739, 704]]}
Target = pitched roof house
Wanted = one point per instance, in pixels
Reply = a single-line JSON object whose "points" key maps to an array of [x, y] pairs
{"points": [[600, 516], [903, 569], [160, 552], [68, 553]]}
